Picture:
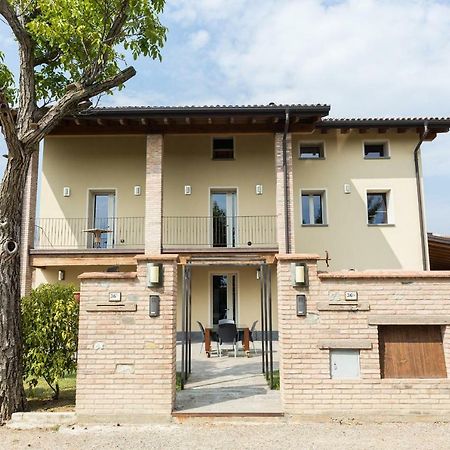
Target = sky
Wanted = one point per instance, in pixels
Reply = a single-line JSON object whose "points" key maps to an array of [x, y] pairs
{"points": [[365, 58]]}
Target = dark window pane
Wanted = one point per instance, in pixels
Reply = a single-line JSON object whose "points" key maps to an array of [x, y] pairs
{"points": [[377, 208], [311, 151], [223, 148], [373, 151], [317, 201], [305, 210]]}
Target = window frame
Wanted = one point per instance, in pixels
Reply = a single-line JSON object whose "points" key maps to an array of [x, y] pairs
{"points": [[311, 143], [384, 142], [389, 207], [232, 138], [323, 199]]}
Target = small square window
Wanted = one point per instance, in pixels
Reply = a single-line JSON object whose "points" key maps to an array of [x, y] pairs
{"points": [[375, 150], [344, 364], [313, 208], [377, 208], [311, 151], [223, 148]]}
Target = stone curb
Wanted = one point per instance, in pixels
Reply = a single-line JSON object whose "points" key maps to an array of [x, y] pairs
{"points": [[30, 420]]}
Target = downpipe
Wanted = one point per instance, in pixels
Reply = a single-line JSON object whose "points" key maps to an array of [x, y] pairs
{"points": [[286, 189], [420, 196]]}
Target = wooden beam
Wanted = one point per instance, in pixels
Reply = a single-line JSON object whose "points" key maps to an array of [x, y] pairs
{"points": [[362, 130], [43, 261], [345, 130], [382, 130]]}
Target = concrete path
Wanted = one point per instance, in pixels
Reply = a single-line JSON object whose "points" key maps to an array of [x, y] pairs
{"points": [[227, 384]]}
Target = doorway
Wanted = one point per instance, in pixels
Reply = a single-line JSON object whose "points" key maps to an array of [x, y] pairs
{"points": [[223, 214], [223, 297], [102, 216]]}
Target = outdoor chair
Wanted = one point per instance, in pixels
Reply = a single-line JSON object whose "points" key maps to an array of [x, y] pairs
{"points": [[253, 336], [202, 329], [222, 321], [227, 335]]}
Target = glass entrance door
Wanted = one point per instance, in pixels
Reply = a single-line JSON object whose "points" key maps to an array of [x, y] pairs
{"points": [[223, 206], [103, 206], [223, 297]]}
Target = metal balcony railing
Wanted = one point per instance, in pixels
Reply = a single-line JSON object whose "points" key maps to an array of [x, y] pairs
{"points": [[219, 231], [78, 233]]}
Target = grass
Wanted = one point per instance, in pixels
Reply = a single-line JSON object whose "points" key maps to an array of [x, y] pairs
{"points": [[276, 380], [40, 397]]}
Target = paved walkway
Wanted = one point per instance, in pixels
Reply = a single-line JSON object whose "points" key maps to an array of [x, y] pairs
{"points": [[227, 384]]}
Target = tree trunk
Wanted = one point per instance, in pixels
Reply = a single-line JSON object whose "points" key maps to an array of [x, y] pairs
{"points": [[12, 394]]}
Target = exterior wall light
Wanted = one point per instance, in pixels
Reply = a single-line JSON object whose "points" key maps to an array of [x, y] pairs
{"points": [[299, 272], [259, 189], [66, 191], [61, 275], [187, 190], [137, 190], [154, 275]]}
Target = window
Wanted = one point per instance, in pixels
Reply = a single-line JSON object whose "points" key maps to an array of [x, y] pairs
{"points": [[313, 208], [223, 148], [377, 208], [375, 150], [411, 351], [311, 151], [344, 364]]}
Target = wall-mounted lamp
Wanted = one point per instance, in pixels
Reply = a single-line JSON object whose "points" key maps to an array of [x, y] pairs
{"points": [[347, 188], [61, 275], [137, 190], [154, 275], [301, 305], [299, 272], [66, 191], [259, 189], [153, 306], [187, 190], [258, 274]]}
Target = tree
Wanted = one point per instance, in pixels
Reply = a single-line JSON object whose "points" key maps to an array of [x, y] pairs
{"points": [[50, 331], [69, 51]]}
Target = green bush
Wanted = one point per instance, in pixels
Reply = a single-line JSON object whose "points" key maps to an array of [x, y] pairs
{"points": [[50, 334]]}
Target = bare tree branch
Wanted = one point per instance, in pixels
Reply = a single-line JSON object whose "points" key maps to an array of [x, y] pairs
{"points": [[70, 102]]}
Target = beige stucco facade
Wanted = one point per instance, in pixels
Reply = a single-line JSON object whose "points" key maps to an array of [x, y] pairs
{"points": [[350, 241]]}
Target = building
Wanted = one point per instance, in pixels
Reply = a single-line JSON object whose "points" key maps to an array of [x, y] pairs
{"points": [[216, 197]]}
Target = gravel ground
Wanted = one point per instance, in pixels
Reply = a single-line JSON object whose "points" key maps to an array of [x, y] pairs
{"points": [[236, 436]]}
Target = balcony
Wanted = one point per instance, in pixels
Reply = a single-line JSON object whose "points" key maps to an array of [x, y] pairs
{"points": [[219, 233], [120, 233]]}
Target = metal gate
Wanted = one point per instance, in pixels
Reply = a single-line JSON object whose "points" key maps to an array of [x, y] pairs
{"points": [[186, 340]]}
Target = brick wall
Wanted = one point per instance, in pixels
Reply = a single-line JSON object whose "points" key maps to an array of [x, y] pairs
{"points": [[28, 222], [411, 297], [153, 194], [280, 197], [126, 359]]}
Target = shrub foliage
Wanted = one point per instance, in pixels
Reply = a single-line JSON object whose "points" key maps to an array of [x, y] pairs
{"points": [[50, 334]]}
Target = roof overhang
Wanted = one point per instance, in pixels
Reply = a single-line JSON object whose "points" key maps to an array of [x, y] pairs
{"points": [[194, 119], [439, 250], [400, 125]]}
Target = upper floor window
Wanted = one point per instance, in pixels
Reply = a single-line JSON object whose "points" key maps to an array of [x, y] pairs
{"points": [[311, 150], [377, 208], [313, 208], [223, 148], [376, 150]]}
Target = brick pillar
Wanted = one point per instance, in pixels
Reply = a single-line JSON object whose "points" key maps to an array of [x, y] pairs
{"points": [[127, 359], [280, 193], [28, 224], [295, 333], [153, 194]]}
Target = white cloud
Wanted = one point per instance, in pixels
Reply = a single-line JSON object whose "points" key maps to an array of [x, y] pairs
{"points": [[199, 39]]}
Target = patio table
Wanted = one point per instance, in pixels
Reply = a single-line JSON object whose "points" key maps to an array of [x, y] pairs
{"points": [[245, 338]]}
